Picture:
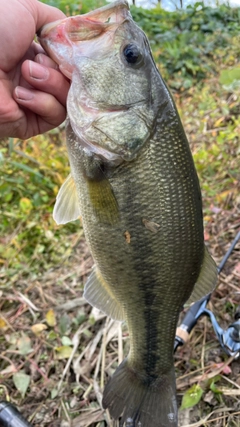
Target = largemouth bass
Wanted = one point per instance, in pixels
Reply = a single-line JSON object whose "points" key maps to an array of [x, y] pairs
{"points": [[134, 184]]}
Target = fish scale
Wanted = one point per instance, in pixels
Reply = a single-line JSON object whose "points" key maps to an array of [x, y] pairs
{"points": [[134, 183]]}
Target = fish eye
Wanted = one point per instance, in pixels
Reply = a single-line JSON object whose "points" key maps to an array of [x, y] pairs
{"points": [[132, 54]]}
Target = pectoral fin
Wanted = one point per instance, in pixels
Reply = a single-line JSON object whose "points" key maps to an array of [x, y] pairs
{"points": [[66, 208], [98, 293], [103, 200], [207, 279]]}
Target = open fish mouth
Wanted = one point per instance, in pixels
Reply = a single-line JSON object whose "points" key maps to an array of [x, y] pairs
{"points": [[61, 37], [98, 20]]}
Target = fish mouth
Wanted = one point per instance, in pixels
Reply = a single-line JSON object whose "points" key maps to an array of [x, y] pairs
{"points": [[113, 13], [61, 37]]}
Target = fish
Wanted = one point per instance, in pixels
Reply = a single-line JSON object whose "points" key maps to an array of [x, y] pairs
{"points": [[134, 184]]}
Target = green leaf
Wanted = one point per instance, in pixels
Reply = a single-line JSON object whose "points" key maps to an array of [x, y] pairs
{"points": [[66, 341], [227, 77], [192, 396], [25, 205], [24, 345], [230, 79], [26, 168], [214, 388], [52, 335], [54, 393], [64, 324], [63, 352], [212, 384], [21, 382]]}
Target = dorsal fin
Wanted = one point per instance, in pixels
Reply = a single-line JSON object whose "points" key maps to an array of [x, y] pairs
{"points": [[66, 208]]}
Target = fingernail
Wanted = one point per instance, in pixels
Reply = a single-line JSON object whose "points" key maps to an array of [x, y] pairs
{"points": [[23, 93], [39, 58], [37, 71], [43, 59]]}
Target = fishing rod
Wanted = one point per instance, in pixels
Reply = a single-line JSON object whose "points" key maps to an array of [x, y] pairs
{"points": [[11, 417], [229, 338]]}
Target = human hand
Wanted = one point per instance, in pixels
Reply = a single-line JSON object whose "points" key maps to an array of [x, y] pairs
{"points": [[32, 90]]}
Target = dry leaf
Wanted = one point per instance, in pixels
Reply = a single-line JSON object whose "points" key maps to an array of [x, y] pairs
{"points": [[50, 318], [38, 328], [3, 324], [88, 418]]}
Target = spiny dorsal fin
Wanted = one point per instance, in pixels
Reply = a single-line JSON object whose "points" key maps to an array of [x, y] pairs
{"points": [[66, 208], [103, 200], [207, 278], [98, 293]]}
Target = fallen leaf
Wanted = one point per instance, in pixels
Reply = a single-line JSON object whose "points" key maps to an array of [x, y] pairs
{"points": [[192, 396], [226, 369], [88, 418], [21, 382], [10, 369], [50, 318], [24, 345], [38, 328], [221, 197], [63, 352], [3, 324]]}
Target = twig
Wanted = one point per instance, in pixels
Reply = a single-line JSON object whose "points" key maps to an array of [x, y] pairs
{"points": [[75, 340]]}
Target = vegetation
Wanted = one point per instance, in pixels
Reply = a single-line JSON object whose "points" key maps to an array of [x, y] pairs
{"points": [[44, 322], [191, 45]]}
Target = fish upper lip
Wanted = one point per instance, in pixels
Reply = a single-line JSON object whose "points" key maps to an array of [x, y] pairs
{"points": [[110, 15], [49, 26]]}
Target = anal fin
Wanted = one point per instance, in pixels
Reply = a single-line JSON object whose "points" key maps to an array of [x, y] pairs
{"points": [[98, 293], [207, 278]]}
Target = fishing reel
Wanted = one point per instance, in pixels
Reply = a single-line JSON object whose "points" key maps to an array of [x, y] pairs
{"points": [[229, 338]]}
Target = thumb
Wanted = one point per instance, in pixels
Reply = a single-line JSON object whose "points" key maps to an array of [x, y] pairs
{"points": [[20, 20], [45, 14]]}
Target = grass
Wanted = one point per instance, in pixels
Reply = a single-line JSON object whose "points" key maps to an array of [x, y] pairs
{"points": [[56, 352]]}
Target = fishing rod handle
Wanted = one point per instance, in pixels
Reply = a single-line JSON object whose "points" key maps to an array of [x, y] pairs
{"points": [[11, 417]]}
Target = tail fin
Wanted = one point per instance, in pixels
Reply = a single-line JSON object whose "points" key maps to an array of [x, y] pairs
{"points": [[132, 396]]}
